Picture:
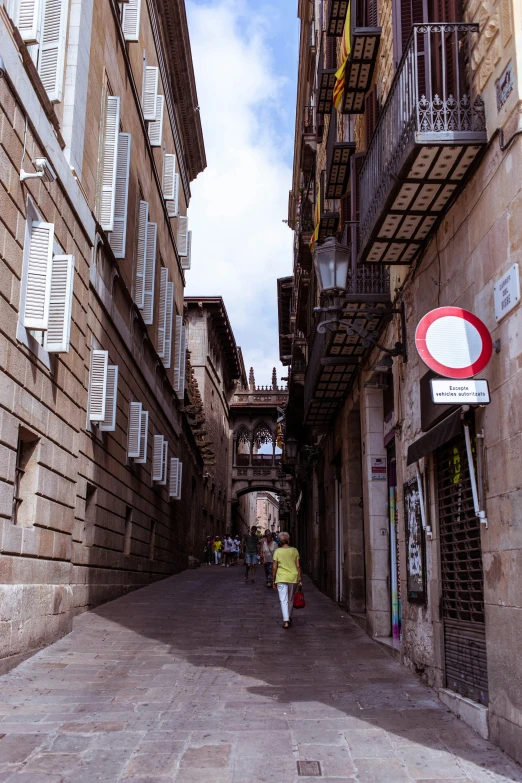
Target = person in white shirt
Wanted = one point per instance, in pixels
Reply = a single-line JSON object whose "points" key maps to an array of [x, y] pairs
{"points": [[266, 550], [229, 552]]}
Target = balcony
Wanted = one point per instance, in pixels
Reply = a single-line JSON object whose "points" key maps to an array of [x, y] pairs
{"points": [[365, 37], [338, 154], [429, 133], [309, 145], [336, 355], [336, 16]]}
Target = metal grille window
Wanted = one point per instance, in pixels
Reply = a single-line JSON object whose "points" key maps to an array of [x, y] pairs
{"points": [[462, 575]]}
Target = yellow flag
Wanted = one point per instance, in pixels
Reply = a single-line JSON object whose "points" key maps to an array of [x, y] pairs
{"points": [[345, 51]]}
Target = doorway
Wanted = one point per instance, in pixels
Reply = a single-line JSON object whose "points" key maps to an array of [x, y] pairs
{"points": [[339, 541]]}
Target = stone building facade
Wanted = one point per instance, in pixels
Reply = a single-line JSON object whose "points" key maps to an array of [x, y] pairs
{"points": [[217, 364], [387, 521], [267, 511], [102, 475]]}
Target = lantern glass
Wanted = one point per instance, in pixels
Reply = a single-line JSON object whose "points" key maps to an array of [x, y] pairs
{"points": [[291, 449], [332, 264]]}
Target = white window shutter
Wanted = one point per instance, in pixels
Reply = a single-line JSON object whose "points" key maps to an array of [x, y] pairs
{"points": [[169, 169], [174, 478], [168, 326], [109, 422], [110, 160], [180, 476], [28, 20], [141, 258], [150, 92], [158, 452], [144, 432], [185, 260], [177, 352], [156, 127], [182, 240], [58, 332], [51, 59], [130, 22], [162, 311], [173, 206], [183, 362], [118, 235], [163, 481], [98, 384], [36, 276], [150, 272], [134, 434]]}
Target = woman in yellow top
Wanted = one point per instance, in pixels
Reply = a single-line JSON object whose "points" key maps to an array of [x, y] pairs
{"points": [[286, 575]]}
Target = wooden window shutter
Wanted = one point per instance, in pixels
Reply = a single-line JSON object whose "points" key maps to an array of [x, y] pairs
{"points": [[27, 20], [51, 57], [158, 452], [173, 206], [163, 481], [118, 236], [98, 384], [356, 162], [331, 52], [346, 214], [58, 332], [156, 127], [182, 238], [370, 113], [150, 273], [168, 326], [144, 433], [177, 353], [406, 13], [134, 433], [109, 422], [183, 362], [150, 92], [110, 160], [162, 311], [169, 170], [186, 260], [141, 258], [36, 277], [131, 20], [173, 478]]}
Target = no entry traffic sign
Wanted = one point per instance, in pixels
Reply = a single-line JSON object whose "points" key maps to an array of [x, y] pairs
{"points": [[453, 342]]}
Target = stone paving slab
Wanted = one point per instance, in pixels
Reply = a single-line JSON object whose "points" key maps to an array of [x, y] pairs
{"points": [[193, 680]]}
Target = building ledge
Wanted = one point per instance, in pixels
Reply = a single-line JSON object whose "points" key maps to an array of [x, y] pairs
{"points": [[471, 712], [392, 646]]}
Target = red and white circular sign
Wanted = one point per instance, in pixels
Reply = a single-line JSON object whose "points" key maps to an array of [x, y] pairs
{"points": [[453, 342]]}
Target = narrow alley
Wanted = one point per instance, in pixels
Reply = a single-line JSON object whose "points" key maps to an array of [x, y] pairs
{"points": [[193, 679]]}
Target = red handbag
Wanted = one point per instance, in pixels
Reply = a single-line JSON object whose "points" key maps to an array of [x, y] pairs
{"points": [[299, 599]]}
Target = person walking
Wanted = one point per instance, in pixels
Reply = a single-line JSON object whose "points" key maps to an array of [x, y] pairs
{"points": [[237, 549], [218, 547], [251, 545], [209, 556], [229, 552], [286, 574], [267, 549]]}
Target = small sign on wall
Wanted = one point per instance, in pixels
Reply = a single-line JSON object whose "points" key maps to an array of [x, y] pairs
{"points": [[379, 465], [467, 392], [506, 292], [504, 86]]}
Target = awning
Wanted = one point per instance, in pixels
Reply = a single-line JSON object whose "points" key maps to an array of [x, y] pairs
{"points": [[447, 429]]}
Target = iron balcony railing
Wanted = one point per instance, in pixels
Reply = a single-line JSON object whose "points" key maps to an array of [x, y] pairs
{"points": [[431, 102], [308, 121]]}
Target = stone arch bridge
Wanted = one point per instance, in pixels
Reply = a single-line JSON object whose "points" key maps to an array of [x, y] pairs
{"points": [[253, 418]]}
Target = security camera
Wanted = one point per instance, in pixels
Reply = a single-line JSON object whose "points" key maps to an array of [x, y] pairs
{"points": [[44, 171]]}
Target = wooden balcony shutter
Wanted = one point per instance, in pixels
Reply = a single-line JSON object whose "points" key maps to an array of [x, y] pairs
{"points": [[356, 162], [134, 434], [331, 52], [150, 274], [158, 453], [346, 214], [371, 109], [118, 235], [144, 433], [98, 384], [131, 20], [109, 422], [405, 14], [162, 319], [58, 332]]}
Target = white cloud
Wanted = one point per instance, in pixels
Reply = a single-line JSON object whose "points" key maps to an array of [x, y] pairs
{"points": [[240, 245]]}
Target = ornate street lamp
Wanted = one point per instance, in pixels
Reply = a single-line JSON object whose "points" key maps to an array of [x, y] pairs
{"points": [[332, 266], [291, 450]]}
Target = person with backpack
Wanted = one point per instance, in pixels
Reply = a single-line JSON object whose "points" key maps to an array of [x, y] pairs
{"points": [[286, 574], [251, 547]]}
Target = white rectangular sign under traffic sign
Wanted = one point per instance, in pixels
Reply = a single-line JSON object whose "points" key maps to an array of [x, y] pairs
{"points": [[466, 392], [506, 292]]}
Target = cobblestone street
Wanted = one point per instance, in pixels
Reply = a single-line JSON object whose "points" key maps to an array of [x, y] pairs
{"points": [[193, 679]]}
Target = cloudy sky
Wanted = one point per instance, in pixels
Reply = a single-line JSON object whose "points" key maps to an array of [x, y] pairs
{"points": [[245, 58]]}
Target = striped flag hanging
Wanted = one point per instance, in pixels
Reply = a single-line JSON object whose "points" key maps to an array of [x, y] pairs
{"points": [[345, 51]]}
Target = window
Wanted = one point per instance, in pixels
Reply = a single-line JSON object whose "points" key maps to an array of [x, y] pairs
{"points": [[42, 24], [130, 20], [46, 290], [24, 495], [103, 391], [127, 537]]}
